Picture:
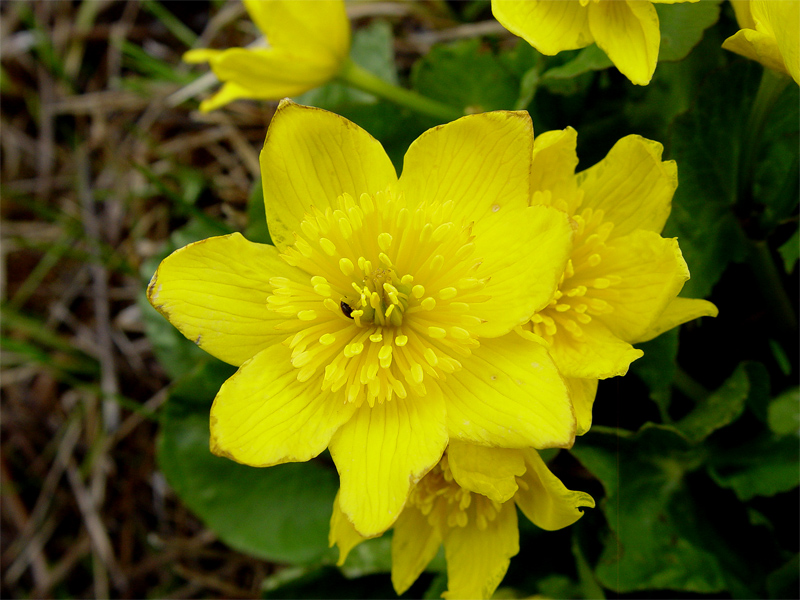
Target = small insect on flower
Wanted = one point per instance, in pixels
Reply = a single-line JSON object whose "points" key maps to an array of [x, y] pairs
{"points": [[348, 312]]}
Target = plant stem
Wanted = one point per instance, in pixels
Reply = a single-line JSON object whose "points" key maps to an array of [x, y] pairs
{"points": [[771, 86], [772, 290], [690, 387], [360, 78]]}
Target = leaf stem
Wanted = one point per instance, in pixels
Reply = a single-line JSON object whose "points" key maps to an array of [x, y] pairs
{"points": [[769, 89], [772, 290], [358, 77], [689, 386]]}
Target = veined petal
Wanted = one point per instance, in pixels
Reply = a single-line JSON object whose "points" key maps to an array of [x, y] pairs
{"points": [[650, 271], [631, 185], [272, 73], [553, 170], [524, 253], [490, 472], [582, 392], [629, 34], [679, 311], [215, 292], [550, 26], [596, 354], [382, 451], [263, 416], [342, 533], [312, 156], [509, 394], [290, 24], [545, 500], [414, 544], [477, 559], [480, 162]]}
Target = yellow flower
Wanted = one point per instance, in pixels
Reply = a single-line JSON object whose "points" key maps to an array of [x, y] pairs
{"points": [[770, 34], [621, 283], [308, 45], [626, 30], [468, 503], [380, 324]]}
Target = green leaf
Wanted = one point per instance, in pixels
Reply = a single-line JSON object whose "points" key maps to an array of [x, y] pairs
{"points": [[657, 368], [682, 26], [783, 413], [706, 143], [465, 75], [257, 229], [790, 251], [783, 582], [766, 466], [726, 404], [589, 59], [644, 479], [278, 513]]}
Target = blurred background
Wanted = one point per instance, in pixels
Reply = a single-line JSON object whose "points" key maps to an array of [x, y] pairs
{"points": [[106, 165]]}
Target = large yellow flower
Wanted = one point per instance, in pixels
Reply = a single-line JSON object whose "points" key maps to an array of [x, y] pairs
{"points": [[381, 323], [468, 503], [770, 34], [308, 44], [626, 30], [621, 283]]}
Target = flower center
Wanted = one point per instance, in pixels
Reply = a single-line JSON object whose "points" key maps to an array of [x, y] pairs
{"points": [[580, 292], [447, 504], [387, 300]]}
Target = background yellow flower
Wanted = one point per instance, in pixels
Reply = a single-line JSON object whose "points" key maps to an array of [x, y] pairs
{"points": [[770, 34], [308, 43], [626, 30]]}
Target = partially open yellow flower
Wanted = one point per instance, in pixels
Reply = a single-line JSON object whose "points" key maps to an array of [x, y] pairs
{"points": [[308, 44], [621, 283], [626, 30], [381, 323], [769, 34], [468, 502]]}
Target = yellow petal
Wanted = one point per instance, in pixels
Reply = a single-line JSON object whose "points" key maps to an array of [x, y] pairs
{"points": [[524, 252], [229, 92], [757, 46], [582, 392], [263, 416], [312, 156], [679, 311], [272, 73], [342, 533], [631, 185], [414, 544], [509, 394], [628, 33], [782, 21], [651, 271], [477, 559], [596, 354], [743, 14], [290, 24], [215, 292], [545, 500], [382, 451], [553, 170], [487, 471], [550, 26], [479, 162]]}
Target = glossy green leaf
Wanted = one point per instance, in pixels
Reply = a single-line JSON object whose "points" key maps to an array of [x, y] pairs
{"points": [[644, 479], [706, 142], [726, 404], [765, 466], [467, 76], [279, 513], [682, 26]]}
